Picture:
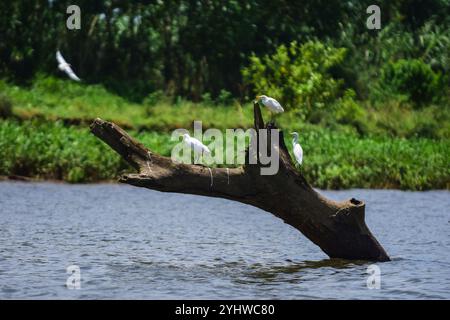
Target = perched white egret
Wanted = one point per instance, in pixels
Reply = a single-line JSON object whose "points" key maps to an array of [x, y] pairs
{"points": [[195, 145], [297, 148], [66, 67], [273, 105]]}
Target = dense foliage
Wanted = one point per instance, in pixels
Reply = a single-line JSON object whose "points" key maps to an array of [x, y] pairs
{"points": [[371, 106], [414, 79], [299, 74], [190, 48], [74, 103], [52, 151]]}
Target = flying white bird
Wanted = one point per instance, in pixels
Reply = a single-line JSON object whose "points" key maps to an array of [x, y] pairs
{"points": [[64, 66], [271, 104], [196, 145], [297, 148]]}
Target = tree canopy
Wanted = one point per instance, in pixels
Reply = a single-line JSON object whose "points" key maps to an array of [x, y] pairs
{"points": [[187, 47]]}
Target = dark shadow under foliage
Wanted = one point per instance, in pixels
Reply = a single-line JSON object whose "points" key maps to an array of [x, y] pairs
{"points": [[187, 48]]}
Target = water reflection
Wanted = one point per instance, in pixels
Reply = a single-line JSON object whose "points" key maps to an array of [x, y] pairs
{"points": [[269, 273]]}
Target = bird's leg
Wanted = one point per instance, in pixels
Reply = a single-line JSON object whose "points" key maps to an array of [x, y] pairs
{"points": [[196, 157], [272, 119]]}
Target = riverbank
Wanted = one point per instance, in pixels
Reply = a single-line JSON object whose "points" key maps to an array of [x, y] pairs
{"points": [[44, 134], [56, 151]]}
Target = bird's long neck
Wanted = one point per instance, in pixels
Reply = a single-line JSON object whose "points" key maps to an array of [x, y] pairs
{"points": [[295, 140]]}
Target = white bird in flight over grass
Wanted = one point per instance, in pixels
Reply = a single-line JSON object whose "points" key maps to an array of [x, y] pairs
{"points": [[273, 105], [196, 145], [66, 67], [297, 148]]}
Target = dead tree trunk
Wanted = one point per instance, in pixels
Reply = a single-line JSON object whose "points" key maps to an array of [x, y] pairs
{"points": [[338, 228]]}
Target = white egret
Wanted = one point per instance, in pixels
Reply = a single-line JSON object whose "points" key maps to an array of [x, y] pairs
{"points": [[195, 145], [297, 148], [66, 67], [270, 103]]}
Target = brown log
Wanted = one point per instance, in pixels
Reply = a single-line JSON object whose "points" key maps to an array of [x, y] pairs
{"points": [[338, 228]]}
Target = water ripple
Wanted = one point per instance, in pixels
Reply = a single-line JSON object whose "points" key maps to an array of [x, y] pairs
{"points": [[136, 243]]}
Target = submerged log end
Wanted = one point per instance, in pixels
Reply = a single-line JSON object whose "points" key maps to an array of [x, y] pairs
{"points": [[354, 239]]}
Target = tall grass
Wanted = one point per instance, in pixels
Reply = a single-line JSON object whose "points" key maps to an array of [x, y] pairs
{"points": [[74, 103], [336, 161], [51, 99], [55, 151], [358, 147], [49, 150]]}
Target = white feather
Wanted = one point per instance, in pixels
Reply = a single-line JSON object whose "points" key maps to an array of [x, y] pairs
{"points": [[60, 58], [71, 74], [195, 144], [271, 104], [298, 153], [64, 66], [297, 149]]}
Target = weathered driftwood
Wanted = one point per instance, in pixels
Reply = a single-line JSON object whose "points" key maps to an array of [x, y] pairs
{"points": [[338, 228]]}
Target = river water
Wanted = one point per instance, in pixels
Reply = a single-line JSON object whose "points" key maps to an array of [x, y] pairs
{"points": [[135, 243]]}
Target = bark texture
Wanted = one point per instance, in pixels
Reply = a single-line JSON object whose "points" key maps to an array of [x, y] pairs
{"points": [[338, 228]]}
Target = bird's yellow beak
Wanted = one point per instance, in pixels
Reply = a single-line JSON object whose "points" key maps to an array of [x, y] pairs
{"points": [[258, 97]]}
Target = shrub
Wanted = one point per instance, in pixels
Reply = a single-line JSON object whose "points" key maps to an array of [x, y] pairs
{"points": [[155, 98], [413, 79], [207, 99], [349, 112], [297, 75], [225, 97], [5, 107]]}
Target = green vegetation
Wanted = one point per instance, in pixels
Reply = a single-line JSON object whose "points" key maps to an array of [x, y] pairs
{"points": [[51, 150], [372, 106], [51, 99], [54, 99], [413, 79], [299, 74], [341, 161], [55, 151], [45, 135], [192, 48]]}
